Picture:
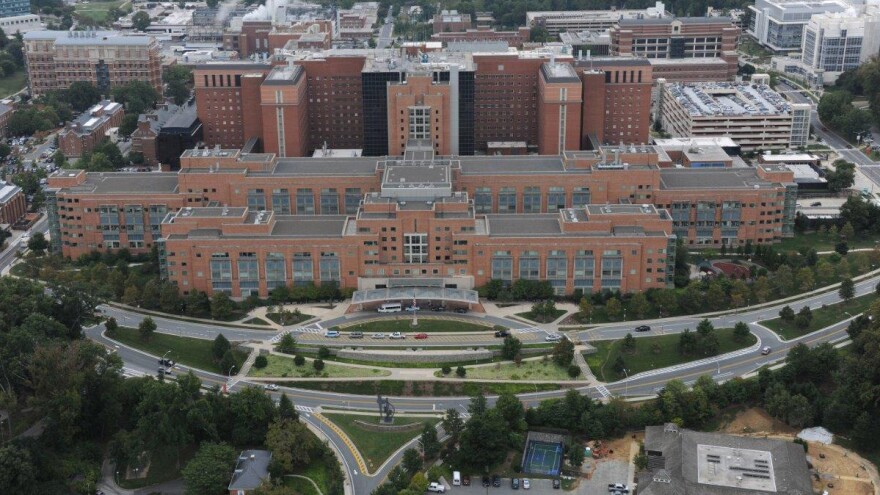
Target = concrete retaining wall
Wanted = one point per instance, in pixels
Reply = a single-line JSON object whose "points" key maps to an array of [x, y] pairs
{"points": [[414, 356], [398, 428]]}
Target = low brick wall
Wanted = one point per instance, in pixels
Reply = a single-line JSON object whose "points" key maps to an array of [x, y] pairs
{"points": [[396, 428]]}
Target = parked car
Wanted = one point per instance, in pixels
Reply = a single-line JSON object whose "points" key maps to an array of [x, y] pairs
{"points": [[421, 336], [466, 480], [271, 387], [331, 334], [486, 481], [496, 481], [553, 337], [643, 328], [556, 484], [438, 308], [436, 487], [413, 308], [397, 335], [356, 335], [514, 483], [765, 351], [502, 333], [526, 484], [377, 336], [461, 311]]}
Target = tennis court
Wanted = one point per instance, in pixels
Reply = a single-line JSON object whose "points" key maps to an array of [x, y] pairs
{"points": [[543, 458]]}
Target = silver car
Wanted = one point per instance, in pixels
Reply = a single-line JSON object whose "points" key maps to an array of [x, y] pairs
{"points": [[378, 336]]}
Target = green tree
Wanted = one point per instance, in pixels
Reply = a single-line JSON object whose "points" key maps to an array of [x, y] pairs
{"points": [[18, 472], [428, 442], [484, 440], [208, 471], [137, 96], [787, 314], [842, 177], [318, 364], [453, 424], [261, 362], [805, 280], [141, 20], [741, 332], [576, 456], [613, 308], [286, 410], [511, 409], [687, 342], [461, 371], [639, 305], [629, 343], [287, 344], [111, 325], [804, 317], [146, 328], [81, 95], [228, 365], [563, 352], [38, 244], [177, 80], [800, 412], [411, 462], [252, 413], [847, 289], [511, 347], [585, 308], [220, 346], [222, 308], [291, 444], [705, 328], [129, 124]]}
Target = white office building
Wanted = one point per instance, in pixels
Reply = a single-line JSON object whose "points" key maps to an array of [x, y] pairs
{"points": [[779, 24]]}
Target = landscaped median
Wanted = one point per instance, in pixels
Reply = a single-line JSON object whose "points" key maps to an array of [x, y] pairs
{"points": [[414, 388], [284, 367], [652, 353], [374, 444], [426, 324], [822, 317], [543, 369], [196, 353]]}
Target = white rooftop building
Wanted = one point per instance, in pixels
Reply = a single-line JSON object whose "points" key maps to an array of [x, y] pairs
{"points": [[779, 24]]}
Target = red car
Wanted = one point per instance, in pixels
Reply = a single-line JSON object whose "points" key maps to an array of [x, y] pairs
{"points": [[421, 336]]}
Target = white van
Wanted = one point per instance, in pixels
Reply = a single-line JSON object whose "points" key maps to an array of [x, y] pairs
{"points": [[390, 308], [456, 478]]}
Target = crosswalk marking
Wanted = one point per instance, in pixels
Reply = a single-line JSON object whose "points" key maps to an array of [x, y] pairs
{"points": [[603, 391], [528, 330], [304, 409], [314, 328]]}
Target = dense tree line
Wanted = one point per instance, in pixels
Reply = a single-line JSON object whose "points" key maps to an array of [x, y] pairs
{"points": [[863, 81]]}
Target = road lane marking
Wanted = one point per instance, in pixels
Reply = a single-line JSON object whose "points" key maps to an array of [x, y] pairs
{"points": [[347, 441]]}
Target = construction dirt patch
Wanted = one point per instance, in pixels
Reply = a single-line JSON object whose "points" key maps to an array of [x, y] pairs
{"points": [[835, 469]]}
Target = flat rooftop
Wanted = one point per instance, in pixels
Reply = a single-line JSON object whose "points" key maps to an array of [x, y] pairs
{"points": [[494, 165], [716, 178], [212, 211], [728, 99], [123, 182], [558, 73], [359, 166], [409, 176], [645, 209]]}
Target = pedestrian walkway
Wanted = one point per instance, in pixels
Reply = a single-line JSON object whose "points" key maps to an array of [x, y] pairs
{"points": [[582, 364], [249, 363]]}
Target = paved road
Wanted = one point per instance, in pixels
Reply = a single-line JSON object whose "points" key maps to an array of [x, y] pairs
{"points": [[386, 31], [649, 383], [8, 254]]}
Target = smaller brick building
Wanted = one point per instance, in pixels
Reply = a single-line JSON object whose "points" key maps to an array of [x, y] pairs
{"points": [[163, 135], [13, 206], [83, 133], [6, 112]]}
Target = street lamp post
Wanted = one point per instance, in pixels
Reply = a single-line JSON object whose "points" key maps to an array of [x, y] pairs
{"points": [[626, 382], [163, 357], [230, 370]]}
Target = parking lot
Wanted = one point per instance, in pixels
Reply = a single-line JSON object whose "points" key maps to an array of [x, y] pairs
{"points": [[539, 487]]}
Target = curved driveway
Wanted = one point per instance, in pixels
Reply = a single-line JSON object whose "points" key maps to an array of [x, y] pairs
{"points": [[720, 368]]}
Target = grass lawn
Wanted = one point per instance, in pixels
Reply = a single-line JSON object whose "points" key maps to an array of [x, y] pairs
{"points": [[537, 369], [164, 466], [292, 318], [12, 84], [256, 321], [645, 358], [96, 10], [822, 317], [401, 388], [822, 242], [300, 486], [185, 350], [376, 446], [531, 317], [404, 324], [280, 366], [414, 364]]}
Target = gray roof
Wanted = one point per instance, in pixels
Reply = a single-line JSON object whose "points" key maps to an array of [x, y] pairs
{"points": [[123, 182], [718, 178], [675, 454], [669, 20], [531, 225], [326, 166], [559, 72], [88, 38], [251, 469], [172, 116], [7, 191], [309, 226], [487, 165], [621, 61]]}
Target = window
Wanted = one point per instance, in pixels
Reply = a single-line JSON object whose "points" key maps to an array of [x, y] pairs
{"points": [[248, 277], [612, 270], [555, 199], [305, 202], [157, 214], [507, 200], [483, 200], [221, 273], [256, 199], [353, 197], [580, 197], [281, 201], [529, 265], [502, 266], [532, 200], [584, 267], [557, 271], [420, 122], [329, 202], [303, 269], [276, 273], [415, 248], [329, 268]]}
